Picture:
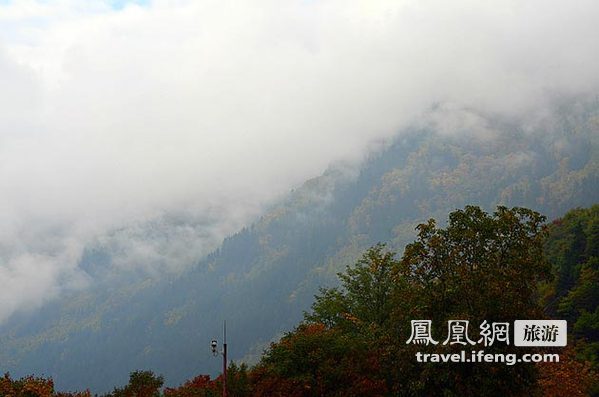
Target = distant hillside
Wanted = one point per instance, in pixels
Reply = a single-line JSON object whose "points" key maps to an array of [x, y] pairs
{"points": [[262, 278]]}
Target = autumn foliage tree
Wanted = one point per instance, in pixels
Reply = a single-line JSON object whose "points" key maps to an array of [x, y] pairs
{"points": [[238, 384], [32, 386], [200, 386], [569, 377], [28, 386]]}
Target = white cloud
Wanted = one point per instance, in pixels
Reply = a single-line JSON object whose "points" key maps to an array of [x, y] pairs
{"points": [[113, 117]]}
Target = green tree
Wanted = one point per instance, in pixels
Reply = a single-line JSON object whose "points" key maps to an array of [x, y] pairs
{"points": [[141, 384], [363, 303], [479, 267], [317, 361], [572, 247]]}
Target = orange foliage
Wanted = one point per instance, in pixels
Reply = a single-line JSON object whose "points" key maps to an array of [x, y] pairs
{"points": [[31, 386], [28, 386], [201, 385], [569, 377]]}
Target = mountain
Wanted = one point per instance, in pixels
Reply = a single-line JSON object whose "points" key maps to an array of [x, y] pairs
{"points": [[262, 278]]}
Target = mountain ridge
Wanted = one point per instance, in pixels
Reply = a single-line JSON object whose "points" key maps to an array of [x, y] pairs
{"points": [[262, 278]]}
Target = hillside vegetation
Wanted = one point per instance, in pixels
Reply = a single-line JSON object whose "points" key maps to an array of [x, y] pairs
{"points": [[353, 340], [262, 278]]}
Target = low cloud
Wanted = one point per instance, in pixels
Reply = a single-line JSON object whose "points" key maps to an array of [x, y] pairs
{"points": [[113, 120]]}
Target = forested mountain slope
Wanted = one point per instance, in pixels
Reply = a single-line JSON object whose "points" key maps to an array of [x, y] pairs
{"points": [[573, 248], [262, 278]]}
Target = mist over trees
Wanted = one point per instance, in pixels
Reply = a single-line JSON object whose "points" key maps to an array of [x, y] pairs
{"points": [[262, 278], [352, 342], [314, 173]]}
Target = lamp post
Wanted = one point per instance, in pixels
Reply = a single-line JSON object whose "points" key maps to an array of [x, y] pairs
{"points": [[214, 346]]}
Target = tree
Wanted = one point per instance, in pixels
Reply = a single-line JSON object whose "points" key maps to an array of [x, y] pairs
{"points": [[569, 377], [238, 384], [200, 386], [479, 267], [364, 299], [316, 361], [28, 386], [141, 384], [572, 247]]}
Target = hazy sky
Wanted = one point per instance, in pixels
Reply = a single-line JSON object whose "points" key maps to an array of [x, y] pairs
{"points": [[186, 117]]}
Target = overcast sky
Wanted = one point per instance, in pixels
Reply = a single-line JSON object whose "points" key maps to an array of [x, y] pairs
{"points": [[113, 113]]}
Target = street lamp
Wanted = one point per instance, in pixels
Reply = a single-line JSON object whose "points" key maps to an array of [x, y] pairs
{"points": [[215, 353], [214, 346]]}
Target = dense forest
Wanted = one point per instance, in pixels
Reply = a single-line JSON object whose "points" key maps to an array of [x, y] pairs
{"points": [[502, 266]]}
